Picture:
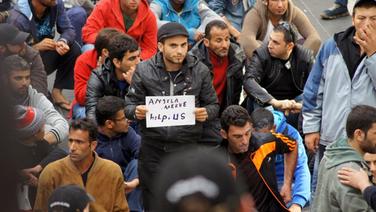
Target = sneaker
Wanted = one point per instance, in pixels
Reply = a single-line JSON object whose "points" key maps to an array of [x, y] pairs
{"points": [[335, 12]]}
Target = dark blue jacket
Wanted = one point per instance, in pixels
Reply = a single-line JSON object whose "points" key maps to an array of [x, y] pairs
{"points": [[22, 17], [120, 149]]}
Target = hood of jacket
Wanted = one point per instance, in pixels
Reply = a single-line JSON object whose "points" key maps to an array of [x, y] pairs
{"points": [[188, 5], [279, 121], [24, 8], [341, 152]]}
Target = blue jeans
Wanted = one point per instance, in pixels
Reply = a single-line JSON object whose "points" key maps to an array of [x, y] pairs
{"points": [[134, 197], [77, 17], [341, 2]]}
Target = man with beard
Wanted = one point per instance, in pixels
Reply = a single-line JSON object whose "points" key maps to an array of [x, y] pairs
{"points": [[12, 41], [170, 72], [16, 78], [225, 60], [332, 195], [101, 178]]}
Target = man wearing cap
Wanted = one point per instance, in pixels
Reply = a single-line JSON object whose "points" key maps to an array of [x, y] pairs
{"points": [[16, 77], [83, 167], [13, 41], [170, 72], [34, 151], [344, 75], [42, 19], [69, 198]]}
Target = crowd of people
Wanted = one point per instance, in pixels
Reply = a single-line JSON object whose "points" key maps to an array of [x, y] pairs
{"points": [[269, 99]]}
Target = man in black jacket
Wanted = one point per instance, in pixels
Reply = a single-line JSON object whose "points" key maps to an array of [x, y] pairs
{"points": [[35, 152], [114, 76], [277, 73], [170, 72], [225, 60]]}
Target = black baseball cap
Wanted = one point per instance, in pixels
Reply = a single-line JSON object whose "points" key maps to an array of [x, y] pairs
{"points": [[202, 175], [9, 34], [69, 198], [171, 29], [362, 1]]}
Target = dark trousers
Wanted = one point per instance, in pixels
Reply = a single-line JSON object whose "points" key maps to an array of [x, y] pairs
{"points": [[64, 64]]}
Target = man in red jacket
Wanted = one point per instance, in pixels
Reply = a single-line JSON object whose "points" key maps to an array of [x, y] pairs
{"points": [[130, 16]]}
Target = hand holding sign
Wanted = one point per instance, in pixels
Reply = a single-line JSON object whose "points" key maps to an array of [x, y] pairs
{"points": [[201, 114], [141, 112]]}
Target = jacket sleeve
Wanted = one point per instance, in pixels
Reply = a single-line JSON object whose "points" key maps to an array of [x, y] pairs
{"points": [[370, 64], [238, 87], [136, 94], [53, 153], [207, 15], [313, 95], [121, 204], [208, 96], [81, 76], [64, 26], [94, 23], [311, 36], [217, 6], [251, 25], [348, 199], [284, 144], [38, 74], [55, 123], [254, 73], [95, 90], [45, 189], [148, 43], [369, 195], [157, 11], [301, 190]]}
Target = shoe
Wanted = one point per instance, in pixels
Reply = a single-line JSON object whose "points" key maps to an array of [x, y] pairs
{"points": [[335, 12]]}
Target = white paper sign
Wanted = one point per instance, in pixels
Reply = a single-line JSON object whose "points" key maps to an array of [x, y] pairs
{"points": [[166, 111]]}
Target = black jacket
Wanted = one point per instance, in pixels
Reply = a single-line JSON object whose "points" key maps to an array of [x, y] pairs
{"points": [[369, 195], [234, 71], [262, 71], [151, 79], [102, 82]]}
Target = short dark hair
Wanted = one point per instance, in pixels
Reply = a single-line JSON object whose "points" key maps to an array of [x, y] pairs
{"points": [[262, 118], [104, 38], [287, 30], [365, 4], [215, 23], [85, 124], [235, 115], [122, 44], [107, 107], [361, 117], [13, 63]]}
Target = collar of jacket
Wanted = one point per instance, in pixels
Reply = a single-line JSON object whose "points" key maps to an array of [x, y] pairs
{"points": [[187, 7]]}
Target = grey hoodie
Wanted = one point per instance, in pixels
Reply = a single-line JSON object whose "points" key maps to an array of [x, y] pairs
{"points": [[331, 195]]}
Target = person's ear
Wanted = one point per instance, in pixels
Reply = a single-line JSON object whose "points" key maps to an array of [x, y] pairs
{"points": [[160, 46], [105, 53], [223, 134], [359, 135], [206, 42], [93, 145], [108, 124], [117, 63]]}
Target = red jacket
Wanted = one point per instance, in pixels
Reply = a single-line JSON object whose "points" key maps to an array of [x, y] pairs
{"points": [[85, 64], [107, 13]]}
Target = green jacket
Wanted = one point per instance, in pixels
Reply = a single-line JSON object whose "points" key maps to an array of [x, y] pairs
{"points": [[331, 195]]}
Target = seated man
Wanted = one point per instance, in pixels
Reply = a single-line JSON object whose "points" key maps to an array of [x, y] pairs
{"points": [[118, 142], [277, 73], [41, 19], [266, 121], [85, 64], [225, 60], [16, 76], [331, 194], [192, 14], [35, 152], [83, 167], [12, 41], [252, 155], [232, 13], [114, 76], [265, 15], [131, 17]]}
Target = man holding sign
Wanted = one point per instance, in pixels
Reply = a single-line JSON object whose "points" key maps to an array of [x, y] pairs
{"points": [[164, 77]]}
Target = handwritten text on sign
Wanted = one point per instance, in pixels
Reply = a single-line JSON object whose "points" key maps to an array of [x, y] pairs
{"points": [[166, 111]]}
